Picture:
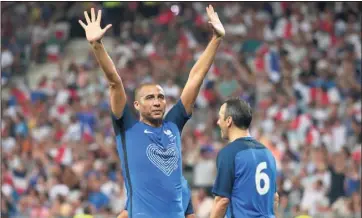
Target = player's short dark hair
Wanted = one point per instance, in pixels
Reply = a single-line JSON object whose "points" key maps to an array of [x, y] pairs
{"points": [[141, 86], [240, 111]]}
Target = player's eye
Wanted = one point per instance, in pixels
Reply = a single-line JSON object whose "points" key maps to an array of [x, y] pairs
{"points": [[148, 97], [161, 97]]}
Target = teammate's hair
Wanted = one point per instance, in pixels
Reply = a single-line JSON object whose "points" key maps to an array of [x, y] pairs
{"points": [[240, 111]]}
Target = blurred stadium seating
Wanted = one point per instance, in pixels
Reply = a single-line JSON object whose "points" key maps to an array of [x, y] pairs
{"points": [[297, 63]]}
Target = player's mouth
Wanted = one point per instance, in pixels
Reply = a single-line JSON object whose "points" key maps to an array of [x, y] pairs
{"points": [[157, 111]]}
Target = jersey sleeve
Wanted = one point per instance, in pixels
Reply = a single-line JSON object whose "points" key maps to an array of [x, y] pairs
{"points": [[187, 200], [178, 115], [223, 185], [126, 121], [190, 209], [126, 205]]}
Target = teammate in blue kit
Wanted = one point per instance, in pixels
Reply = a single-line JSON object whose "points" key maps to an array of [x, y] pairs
{"points": [[150, 148], [186, 202], [245, 184]]}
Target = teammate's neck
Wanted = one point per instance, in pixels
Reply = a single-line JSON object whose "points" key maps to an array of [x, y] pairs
{"points": [[153, 123], [236, 133]]}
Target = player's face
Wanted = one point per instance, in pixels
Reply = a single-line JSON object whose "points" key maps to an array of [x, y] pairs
{"points": [[222, 123], [151, 103]]}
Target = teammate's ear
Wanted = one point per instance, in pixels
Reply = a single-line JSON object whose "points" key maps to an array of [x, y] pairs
{"points": [[229, 121]]}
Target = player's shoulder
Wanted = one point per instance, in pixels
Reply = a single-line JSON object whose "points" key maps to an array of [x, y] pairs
{"points": [[240, 145], [126, 121], [169, 125], [134, 127], [231, 149]]}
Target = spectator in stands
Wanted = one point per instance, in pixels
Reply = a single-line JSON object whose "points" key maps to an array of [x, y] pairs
{"points": [[40, 35]]}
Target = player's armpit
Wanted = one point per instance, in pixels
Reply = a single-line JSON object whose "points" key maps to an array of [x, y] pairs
{"points": [[219, 208]]}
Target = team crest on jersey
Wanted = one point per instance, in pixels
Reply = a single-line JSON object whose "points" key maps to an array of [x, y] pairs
{"points": [[167, 132], [165, 159], [170, 135]]}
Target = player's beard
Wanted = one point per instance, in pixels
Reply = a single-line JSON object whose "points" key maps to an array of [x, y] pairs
{"points": [[153, 120]]}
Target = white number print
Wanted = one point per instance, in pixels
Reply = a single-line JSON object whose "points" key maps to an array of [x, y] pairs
{"points": [[259, 175]]}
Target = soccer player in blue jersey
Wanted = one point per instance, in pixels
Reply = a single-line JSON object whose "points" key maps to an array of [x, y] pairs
{"points": [[245, 184], [186, 202], [150, 148]]}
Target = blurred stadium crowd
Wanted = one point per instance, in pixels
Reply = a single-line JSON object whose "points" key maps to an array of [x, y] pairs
{"points": [[298, 65]]}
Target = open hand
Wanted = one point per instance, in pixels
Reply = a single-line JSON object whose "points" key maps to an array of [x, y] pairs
{"points": [[214, 20], [93, 30]]}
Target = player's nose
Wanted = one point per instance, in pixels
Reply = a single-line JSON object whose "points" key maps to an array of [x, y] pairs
{"points": [[156, 103]]}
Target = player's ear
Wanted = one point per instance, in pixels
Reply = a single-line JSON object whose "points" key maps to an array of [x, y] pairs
{"points": [[136, 104]]}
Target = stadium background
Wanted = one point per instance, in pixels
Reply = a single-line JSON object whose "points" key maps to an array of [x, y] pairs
{"points": [[298, 64]]}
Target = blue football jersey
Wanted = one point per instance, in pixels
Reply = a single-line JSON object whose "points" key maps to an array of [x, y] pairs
{"points": [[246, 174], [186, 198], [151, 163]]}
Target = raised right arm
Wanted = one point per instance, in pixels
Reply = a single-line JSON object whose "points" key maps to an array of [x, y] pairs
{"points": [[116, 90], [94, 34]]}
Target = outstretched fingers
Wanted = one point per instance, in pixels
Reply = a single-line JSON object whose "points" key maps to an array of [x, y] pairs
{"points": [[208, 12], [215, 21], [92, 19], [106, 28], [99, 16], [82, 24], [211, 9], [93, 15], [211, 13], [87, 17]]}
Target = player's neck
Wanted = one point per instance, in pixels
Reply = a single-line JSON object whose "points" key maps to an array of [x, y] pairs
{"points": [[153, 123], [237, 133]]}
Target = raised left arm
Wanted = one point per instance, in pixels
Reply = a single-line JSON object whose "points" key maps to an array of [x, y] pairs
{"points": [[202, 66]]}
